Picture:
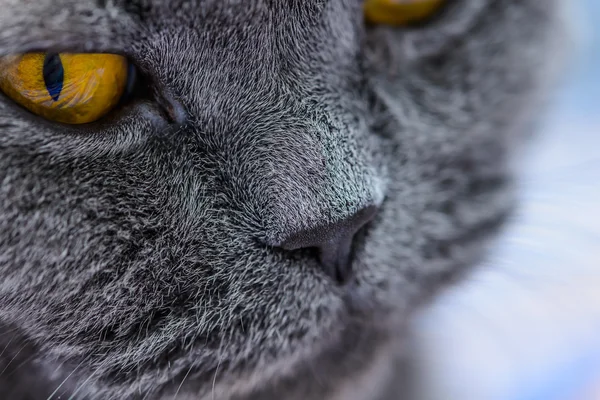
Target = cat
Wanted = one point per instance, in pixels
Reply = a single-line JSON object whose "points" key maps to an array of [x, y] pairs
{"points": [[265, 218]]}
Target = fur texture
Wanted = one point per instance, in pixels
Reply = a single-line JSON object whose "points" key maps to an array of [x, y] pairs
{"points": [[138, 254]]}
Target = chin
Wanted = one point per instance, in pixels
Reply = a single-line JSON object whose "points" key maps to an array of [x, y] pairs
{"points": [[358, 365]]}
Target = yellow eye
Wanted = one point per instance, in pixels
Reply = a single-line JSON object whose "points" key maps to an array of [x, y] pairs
{"points": [[68, 88], [400, 12]]}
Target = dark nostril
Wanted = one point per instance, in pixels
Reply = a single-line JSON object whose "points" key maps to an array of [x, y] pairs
{"points": [[334, 242]]}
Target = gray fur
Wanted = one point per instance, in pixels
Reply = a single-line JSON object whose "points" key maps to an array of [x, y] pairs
{"points": [[136, 253]]}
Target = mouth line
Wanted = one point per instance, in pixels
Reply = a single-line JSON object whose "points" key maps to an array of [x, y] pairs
{"points": [[357, 331]]}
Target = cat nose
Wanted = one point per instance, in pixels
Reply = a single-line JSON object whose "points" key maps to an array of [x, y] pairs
{"points": [[334, 242]]}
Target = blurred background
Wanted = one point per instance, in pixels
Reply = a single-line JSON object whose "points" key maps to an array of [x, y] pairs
{"points": [[527, 325]]}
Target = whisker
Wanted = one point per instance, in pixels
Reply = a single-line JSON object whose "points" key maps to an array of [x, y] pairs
{"points": [[65, 380], [27, 360], [147, 394], [12, 359], [214, 382], [7, 344], [181, 384], [82, 384]]}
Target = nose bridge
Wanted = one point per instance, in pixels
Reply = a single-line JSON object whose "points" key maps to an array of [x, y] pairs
{"points": [[322, 178], [329, 206]]}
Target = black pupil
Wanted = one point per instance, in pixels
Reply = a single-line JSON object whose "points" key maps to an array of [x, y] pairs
{"points": [[54, 75]]}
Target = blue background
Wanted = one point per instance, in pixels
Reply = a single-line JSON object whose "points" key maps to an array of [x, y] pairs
{"points": [[526, 326]]}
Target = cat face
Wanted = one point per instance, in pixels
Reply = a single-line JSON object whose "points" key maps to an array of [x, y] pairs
{"points": [[265, 219]]}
